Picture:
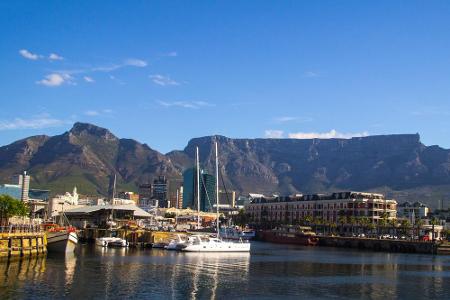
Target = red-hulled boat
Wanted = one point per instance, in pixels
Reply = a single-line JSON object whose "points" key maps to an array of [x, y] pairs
{"points": [[289, 234]]}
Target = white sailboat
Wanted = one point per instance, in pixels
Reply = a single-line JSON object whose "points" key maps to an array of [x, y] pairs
{"points": [[208, 244]]}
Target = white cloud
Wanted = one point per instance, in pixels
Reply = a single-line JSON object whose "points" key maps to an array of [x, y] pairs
{"points": [[286, 119], [135, 63], [37, 122], [172, 54], [54, 56], [163, 80], [107, 68], [88, 79], [332, 134], [185, 104], [311, 74], [27, 54], [95, 113], [56, 79], [274, 134], [91, 113]]}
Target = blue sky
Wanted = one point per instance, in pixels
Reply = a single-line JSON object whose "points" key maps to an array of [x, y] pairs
{"points": [[164, 72]]}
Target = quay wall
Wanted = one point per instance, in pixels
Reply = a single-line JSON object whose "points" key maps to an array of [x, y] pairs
{"points": [[21, 244], [380, 245]]}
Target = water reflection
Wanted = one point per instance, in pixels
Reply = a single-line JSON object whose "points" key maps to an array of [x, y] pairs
{"points": [[270, 271]]}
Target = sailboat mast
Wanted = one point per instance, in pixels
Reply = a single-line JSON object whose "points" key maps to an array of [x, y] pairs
{"points": [[217, 189], [198, 187]]}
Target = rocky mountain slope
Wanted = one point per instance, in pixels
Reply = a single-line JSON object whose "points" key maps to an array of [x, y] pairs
{"points": [[87, 155]]}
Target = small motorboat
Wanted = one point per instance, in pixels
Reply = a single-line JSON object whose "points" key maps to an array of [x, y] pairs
{"points": [[111, 242]]}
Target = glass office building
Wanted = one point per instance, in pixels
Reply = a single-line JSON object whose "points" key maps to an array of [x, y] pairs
{"points": [[207, 190]]}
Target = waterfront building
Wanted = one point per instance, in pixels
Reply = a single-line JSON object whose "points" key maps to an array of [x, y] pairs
{"points": [[20, 187], [242, 201], [159, 189], [12, 190], [180, 197], [99, 215], [207, 190], [145, 191], [129, 196], [175, 192], [328, 207], [413, 210], [227, 198], [25, 186]]}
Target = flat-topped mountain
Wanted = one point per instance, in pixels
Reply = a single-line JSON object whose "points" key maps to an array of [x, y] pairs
{"points": [[86, 155]]}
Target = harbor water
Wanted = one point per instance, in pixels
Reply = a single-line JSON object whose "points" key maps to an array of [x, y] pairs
{"points": [[270, 271]]}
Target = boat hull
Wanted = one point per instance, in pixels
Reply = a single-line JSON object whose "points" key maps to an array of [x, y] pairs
{"points": [[294, 239], [222, 247], [61, 242], [111, 242]]}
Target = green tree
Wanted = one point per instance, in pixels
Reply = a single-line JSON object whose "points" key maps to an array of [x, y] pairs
{"points": [[241, 218], [405, 226], [419, 224], [342, 220], [10, 207], [353, 221], [364, 223], [434, 222]]}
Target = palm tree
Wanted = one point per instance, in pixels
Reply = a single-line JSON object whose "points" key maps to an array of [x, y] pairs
{"points": [[333, 226], [405, 225], [353, 221], [364, 223], [434, 221], [342, 220], [393, 223], [308, 220], [383, 221], [419, 224]]}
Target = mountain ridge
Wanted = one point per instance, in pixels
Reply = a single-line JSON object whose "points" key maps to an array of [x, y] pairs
{"points": [[87, 154]]}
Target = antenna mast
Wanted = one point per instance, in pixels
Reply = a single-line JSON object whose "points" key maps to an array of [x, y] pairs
{"points": [[198, 187]]}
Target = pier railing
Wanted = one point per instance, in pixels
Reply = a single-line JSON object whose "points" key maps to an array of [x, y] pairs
{"points": [[28, 228]]}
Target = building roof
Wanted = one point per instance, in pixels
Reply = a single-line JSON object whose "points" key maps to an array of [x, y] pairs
{"points": [[409, 204], [138, 212]]}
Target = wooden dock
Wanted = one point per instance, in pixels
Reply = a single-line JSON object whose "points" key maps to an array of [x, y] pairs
{"points": [[136, 237], [21, 241]]}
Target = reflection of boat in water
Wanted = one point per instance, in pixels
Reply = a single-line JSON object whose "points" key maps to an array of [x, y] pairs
{"points": [[298, 235], [232, 233], [209, 244], [111, 242], [60, 239]]}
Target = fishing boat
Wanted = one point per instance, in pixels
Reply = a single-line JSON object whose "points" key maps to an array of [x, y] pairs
{"points": [[60, 239], [216, 244], [289, 234]]}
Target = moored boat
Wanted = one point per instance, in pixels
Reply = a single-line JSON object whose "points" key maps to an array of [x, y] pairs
{"points": [[111, 242], [178, 243], [230, 233], [200, 243], [289, 234], [61, 239]]}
